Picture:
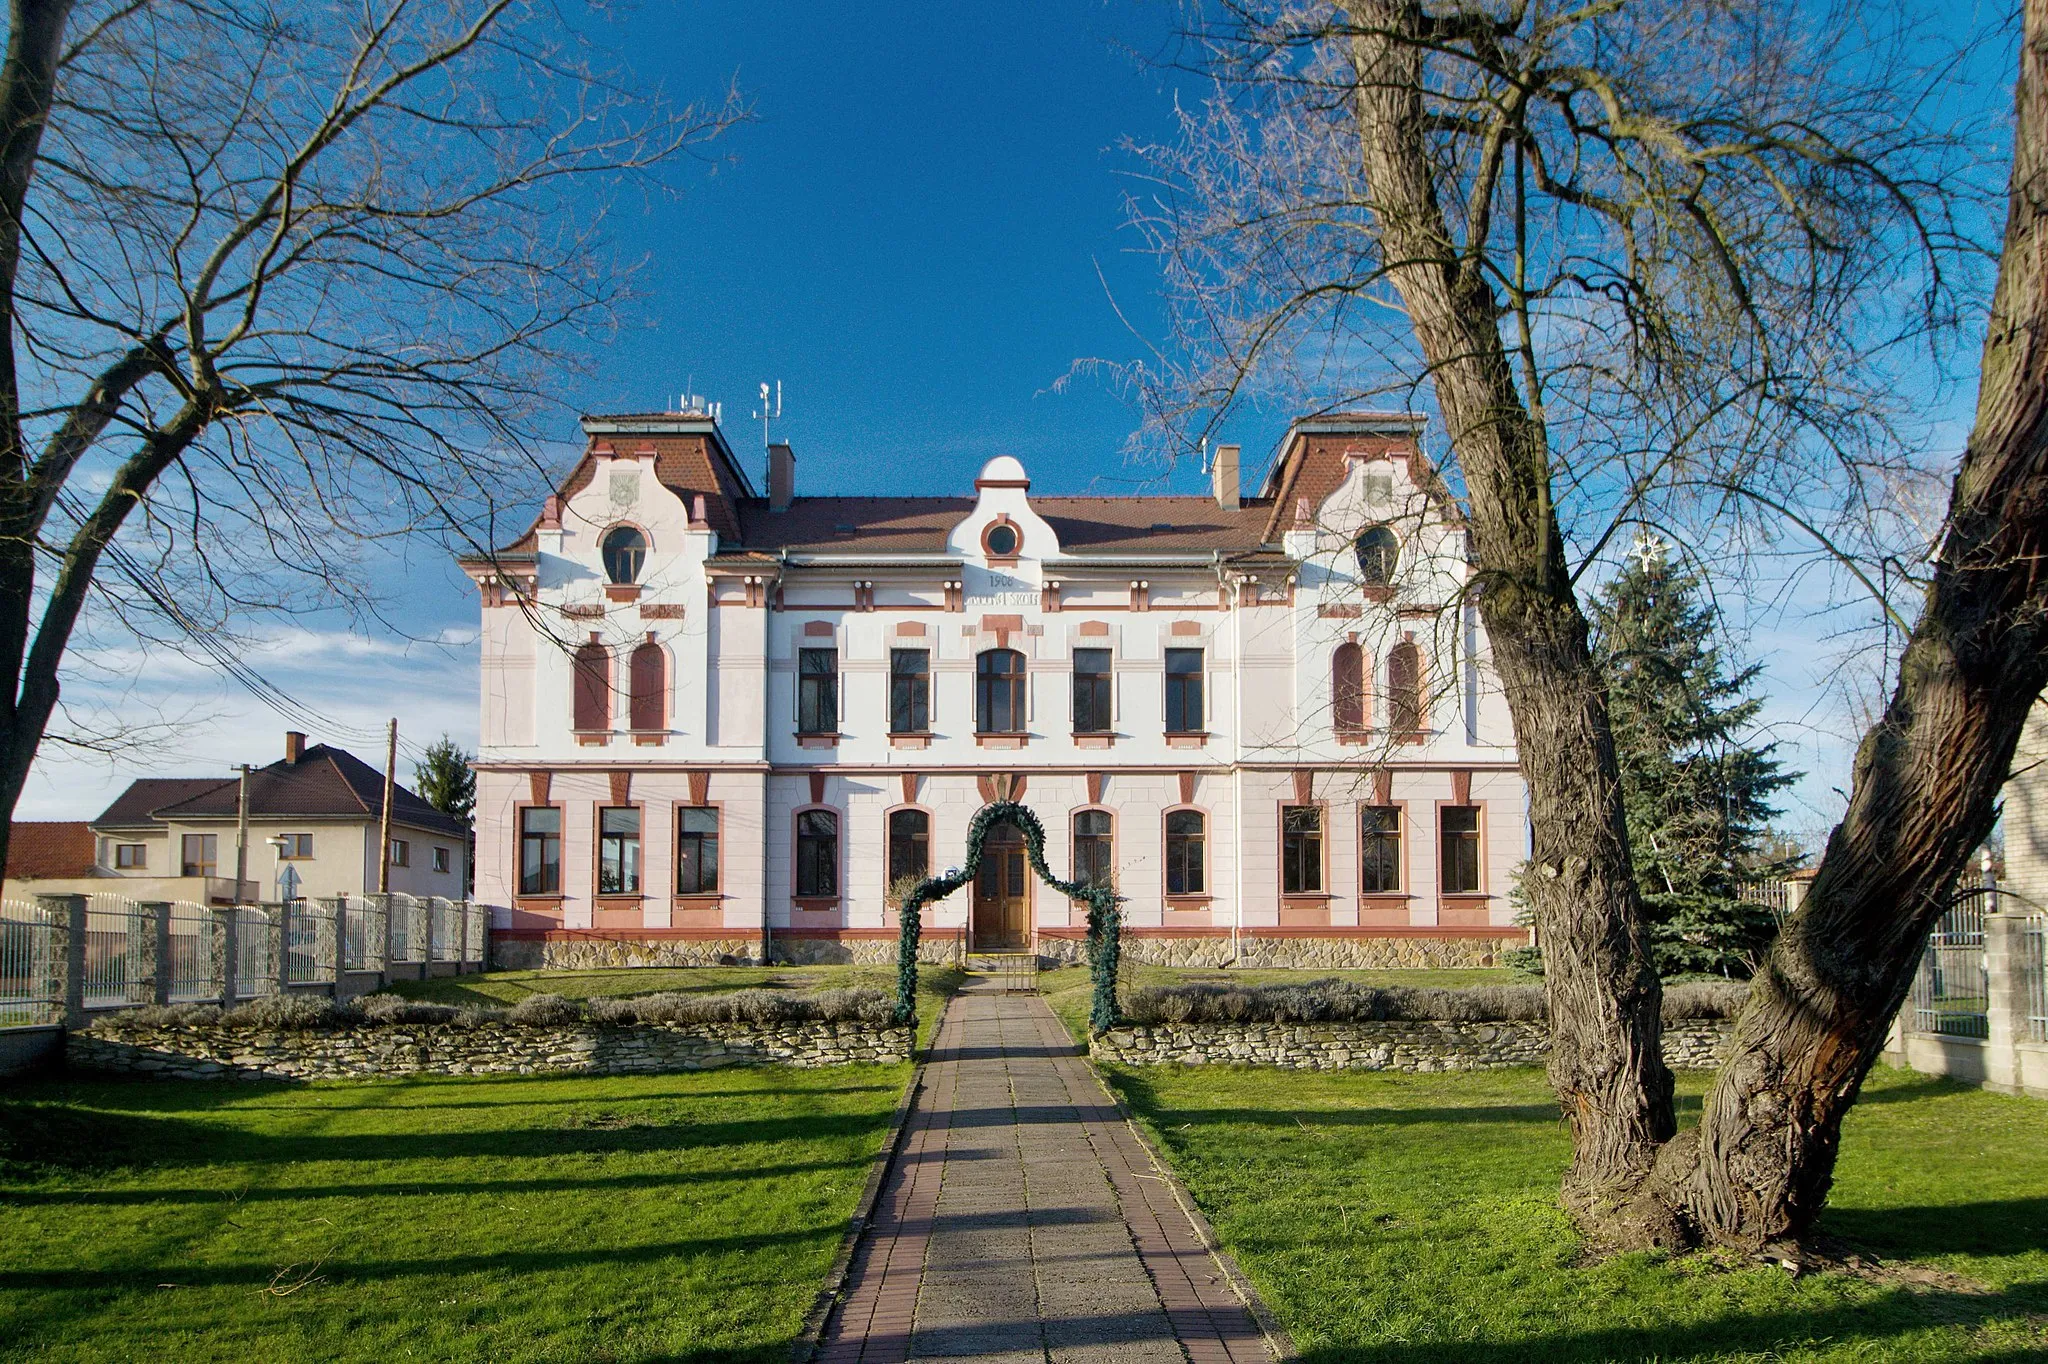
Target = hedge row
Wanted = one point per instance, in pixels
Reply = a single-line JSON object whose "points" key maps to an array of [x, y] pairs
{"points": [[1343, 1001]]}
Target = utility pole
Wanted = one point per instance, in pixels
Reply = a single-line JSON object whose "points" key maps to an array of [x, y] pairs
{"points": [[384, 821], [242, 833]]}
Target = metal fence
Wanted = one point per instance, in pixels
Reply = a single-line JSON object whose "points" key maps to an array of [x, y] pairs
{"points": [[1769, 893], [361, 925], [1951, 989], [2032, 943], [31, 966], [447, 920], [190, 959], [403, 946]]}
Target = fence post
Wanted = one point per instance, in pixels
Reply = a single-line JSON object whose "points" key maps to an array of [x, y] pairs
{"points": [[422, 911], [156, 916], [380, 937], [330, 936], [223, 953], [66, 914], [2004, 1004], [278, 930]]}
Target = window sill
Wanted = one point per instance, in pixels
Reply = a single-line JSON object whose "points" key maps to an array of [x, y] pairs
{"points": [[593, 739], [1412, 736], [817, 741], [650, 740], [1463, 897], [1001, 740], [1354, 736], [528, 901], [622, 592], [1304, 897], [1384, 899], [814, 904], [618, 899], [696, 898], [1094, 738], [1192, 738], [910, 739], [1377, 592], [1188, 902]]}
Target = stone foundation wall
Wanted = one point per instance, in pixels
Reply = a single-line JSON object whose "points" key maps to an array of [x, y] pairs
{"points": [[213, 1053], [588, 954], [1415, 1047], [932, 951], [1303, 954]]}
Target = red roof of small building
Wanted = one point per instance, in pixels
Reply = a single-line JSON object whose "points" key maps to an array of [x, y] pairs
{"points": [[326, 782], [41, 849]]}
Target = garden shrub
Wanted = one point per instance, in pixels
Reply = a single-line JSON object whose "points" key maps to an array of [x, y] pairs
{"points": [[1333, 1000], [291, 1013], [545, 1011], [398, 1009]]}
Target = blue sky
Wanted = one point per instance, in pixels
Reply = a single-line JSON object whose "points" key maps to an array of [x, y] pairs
{"points": [[919, 234]]}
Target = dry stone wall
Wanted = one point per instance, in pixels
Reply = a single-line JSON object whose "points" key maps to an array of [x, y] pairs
{"points": [[589, 954], [1413, 1046], [374, 1052], [1253, 952]]}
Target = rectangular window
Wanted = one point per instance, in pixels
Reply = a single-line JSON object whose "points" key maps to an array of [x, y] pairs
{"points": [[1184, 691], [441, 859], [696, 851], [540, 851], [817, 691], [1091, 691], [199, 854], [1301, 849], [817, 854], [1458, 833], [296, 846], [131, 856], [1185, 872], [1379, 853], [910, 691], [1093, 851], [618, 850], [401, 853]]}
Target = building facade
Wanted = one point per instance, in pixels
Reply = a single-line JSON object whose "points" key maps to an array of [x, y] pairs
{"points": [[717, 724]]}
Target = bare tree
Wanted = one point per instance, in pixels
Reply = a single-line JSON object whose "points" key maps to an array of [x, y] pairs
{"points": [[1670, 263], [279, 281]]}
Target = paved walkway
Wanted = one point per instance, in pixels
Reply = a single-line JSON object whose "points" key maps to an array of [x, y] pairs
{"points": [[1023, 1220]]}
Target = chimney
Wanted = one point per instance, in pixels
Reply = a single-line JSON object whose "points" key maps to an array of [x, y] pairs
{"points": [[1226, 477], [781, 476], [294, 747]]}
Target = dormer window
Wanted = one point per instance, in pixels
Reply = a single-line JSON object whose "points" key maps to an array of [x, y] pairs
{"points": [[1002, 540], [1379, 554], [625, 554]]}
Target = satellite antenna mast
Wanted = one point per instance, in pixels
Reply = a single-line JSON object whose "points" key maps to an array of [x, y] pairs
{"points": [[771, 408]]}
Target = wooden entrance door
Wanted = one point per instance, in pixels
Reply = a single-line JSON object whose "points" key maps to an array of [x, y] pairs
{"points": [[1002, 892]]}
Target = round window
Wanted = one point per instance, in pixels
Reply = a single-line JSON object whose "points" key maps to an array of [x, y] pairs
{"points": [[625, 552], [1002, 540]]}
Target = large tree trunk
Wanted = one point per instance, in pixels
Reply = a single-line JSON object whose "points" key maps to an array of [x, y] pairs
{"points": [[1926, 778], [1606, 1060]]}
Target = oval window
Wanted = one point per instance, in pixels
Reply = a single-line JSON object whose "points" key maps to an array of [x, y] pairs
{"points": [[1379, 554], [625, 553], [1002, 540]]}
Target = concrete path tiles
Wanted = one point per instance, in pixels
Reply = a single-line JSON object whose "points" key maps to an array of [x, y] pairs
{"points": [[1023, 1220]]}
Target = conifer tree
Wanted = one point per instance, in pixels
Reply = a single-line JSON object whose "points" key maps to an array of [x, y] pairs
{"points": [[446, 782], [1696, 784]]}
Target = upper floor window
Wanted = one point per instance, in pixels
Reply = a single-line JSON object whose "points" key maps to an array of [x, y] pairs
{"points": [[910, 691], [1404, 687], [591, 699], [1093, 848], [441, 859], [999, 692], [817, 854], [910, 843], [540, 850], [1347, 689], [1458, 832], [1379, 851], [1301, 849], [618, 850], [625, 554], [1091, 691], [1183, 691], [401, 853], [1379, 555], [1186, 869], [128, 856], [817, 691], [1001, 540], [696, 850], [647, 677], [199, 854]]}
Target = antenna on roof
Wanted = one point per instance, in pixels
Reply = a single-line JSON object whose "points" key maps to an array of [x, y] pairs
{"points": [[770, 410]]}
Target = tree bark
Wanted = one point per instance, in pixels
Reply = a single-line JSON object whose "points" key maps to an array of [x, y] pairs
{"points": [[1607, 1046], [1927, 776]]}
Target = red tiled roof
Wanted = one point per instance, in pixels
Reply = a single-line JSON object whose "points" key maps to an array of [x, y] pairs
{"points": [[50, 848], [1085, 525], [145, 795]]}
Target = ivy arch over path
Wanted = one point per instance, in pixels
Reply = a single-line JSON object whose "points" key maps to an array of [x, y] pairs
{"points": [[1104, 918]]}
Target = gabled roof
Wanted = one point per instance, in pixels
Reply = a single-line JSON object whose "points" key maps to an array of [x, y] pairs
{"points": [[1085, 525], [50, 848], [325, 783]]}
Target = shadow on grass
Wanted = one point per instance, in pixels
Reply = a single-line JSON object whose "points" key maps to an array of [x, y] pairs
{"points": [[2011, 1226]]}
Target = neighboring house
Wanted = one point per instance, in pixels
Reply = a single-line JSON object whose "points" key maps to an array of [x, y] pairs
{"points": [[2026, 813], [313, 830], [1269, 720]]}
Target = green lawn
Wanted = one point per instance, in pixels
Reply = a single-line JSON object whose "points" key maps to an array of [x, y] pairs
{"points": [[1410, 1218], [681, 1217], [1066, 988]]}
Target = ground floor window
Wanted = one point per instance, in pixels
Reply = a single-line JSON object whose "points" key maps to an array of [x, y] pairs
{"points": [[1458, 830], [540, 851], [1301, 849], [1093, 848], [696, 851], [1185, 870], [817, 854], [618, 850], [199, 854], [910, 843], [1379, 854]]}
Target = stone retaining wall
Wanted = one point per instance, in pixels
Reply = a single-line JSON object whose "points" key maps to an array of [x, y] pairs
{"points": [[1254, 952], [572, 953], [1694, 1044], [373, 1052]]}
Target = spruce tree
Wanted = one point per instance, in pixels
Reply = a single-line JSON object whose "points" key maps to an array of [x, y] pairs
{"points": [[1696, 784], [445, 780]]}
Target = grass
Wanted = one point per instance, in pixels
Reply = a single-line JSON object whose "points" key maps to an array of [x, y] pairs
{"points": [[1066, 988], [680, 1217], [1412, 1219]]}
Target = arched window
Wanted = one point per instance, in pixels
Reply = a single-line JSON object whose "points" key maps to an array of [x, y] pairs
{"points": [[910, 845], [1404, 687], [1093, 848], [648, 708], [1186, 862], [625, 554], [1379, 554], [1347, 688], [817, 854], [999, 692], [592, 694]]}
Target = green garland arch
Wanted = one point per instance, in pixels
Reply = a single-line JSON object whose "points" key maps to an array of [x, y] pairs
{"points": [[1104, 918]]}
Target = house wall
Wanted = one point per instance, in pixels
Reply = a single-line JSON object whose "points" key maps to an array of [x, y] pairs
{"points": [[2026, 812], [344, 860]]}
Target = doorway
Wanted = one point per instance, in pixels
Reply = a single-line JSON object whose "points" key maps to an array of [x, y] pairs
{"points": [[1002, 892]]}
